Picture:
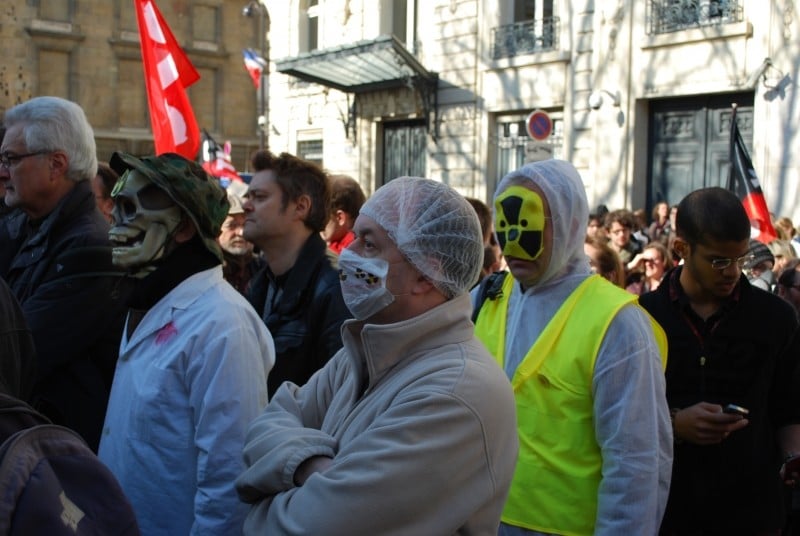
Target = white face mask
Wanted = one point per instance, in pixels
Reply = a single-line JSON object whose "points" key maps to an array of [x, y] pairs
{"points": [[363, 284]]}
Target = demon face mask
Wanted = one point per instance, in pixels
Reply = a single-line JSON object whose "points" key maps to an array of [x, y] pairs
{"points": [[519, 223], [145, 220]]}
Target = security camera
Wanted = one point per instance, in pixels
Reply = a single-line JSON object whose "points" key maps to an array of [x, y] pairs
{"points": [[595, 100], [262, 121]]}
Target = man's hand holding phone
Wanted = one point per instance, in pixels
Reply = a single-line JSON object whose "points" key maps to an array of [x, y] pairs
{"points": [[790, 470], [735, 410], [707, 424]]}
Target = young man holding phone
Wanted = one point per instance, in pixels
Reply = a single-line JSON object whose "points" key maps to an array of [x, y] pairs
{"points": [[732, 381]]}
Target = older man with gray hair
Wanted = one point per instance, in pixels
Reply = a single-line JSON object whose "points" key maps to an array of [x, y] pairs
{"points": [[57, 260], [410, 427]]}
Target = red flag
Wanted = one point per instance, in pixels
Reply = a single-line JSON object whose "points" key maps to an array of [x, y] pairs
{"points": [[167, 74], [743, 181]]}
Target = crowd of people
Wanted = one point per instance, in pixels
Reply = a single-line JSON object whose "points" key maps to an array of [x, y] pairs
{"points": [[301, 358]]}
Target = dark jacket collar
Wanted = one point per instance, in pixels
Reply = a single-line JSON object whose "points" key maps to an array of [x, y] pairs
{"points": [[76, 201], [304, 270]]}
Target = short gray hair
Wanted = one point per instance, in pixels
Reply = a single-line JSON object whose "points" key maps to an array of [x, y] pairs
{"points": [[56, 124]]}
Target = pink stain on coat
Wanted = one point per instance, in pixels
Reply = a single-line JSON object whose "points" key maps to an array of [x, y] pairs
{"points": [[166, 333]]}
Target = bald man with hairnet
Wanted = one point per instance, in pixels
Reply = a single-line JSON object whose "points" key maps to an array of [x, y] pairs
{"points": [[586, 365], [410, 427]]}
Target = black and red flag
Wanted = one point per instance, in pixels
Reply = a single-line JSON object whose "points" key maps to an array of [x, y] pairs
{"points": [[743, 181]]}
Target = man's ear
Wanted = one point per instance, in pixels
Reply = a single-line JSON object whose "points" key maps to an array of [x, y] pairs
{"points": [[302, 206], [59, 163], [185, 231], [681, 247], [341, 218], [423, 285]]}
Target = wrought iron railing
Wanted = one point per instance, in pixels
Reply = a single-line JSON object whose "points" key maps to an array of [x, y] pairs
{"points": [[524, 37], [664, 16]]}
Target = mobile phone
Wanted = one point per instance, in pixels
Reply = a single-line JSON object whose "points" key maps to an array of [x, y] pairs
{"points": [[737, 410], [792, 465]]}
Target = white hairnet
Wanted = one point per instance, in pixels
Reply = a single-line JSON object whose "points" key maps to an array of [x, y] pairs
{"points": [[569, 211], [434, 227]]}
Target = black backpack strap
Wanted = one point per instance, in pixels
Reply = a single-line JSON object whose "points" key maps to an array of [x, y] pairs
{"points": [[491, 287]]}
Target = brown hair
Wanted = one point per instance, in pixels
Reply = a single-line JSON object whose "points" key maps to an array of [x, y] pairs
{"points": [[297, 177], [609, 263], [346, 195]]}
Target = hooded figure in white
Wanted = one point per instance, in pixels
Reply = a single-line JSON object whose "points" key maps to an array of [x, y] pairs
{"points": [[630, 416]]}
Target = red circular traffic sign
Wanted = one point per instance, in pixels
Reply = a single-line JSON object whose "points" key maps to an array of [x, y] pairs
{"points": [[539, 125]]}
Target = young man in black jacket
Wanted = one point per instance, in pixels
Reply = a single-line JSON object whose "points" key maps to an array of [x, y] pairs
{"points": [[729, 343], [297, 293]]}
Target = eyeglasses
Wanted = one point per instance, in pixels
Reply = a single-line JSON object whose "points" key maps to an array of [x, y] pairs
{"points": [[721, 264], [650, 261], [9, 159]]}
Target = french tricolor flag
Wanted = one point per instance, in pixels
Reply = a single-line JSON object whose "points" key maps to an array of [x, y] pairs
{"points": [[255, 65]]}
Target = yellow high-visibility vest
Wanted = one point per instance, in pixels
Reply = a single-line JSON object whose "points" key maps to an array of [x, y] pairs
{"points": [[558, 470]]}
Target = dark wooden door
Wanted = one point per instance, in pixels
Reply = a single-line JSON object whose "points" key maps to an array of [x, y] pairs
{"points": [[404, 150], [689, 143]]}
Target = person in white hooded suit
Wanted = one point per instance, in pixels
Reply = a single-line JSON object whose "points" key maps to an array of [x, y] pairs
{"points": [[586, 365]]}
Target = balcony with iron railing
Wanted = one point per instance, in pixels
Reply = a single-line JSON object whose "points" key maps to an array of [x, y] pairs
{"points": [[525, 37], [664, 16]]}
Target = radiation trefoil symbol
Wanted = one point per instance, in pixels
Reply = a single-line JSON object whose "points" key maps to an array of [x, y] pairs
{"points": [[519, 223]]}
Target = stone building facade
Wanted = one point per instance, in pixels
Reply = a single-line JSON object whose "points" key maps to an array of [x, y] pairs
{"points": [[88, 51], [638, 92]]}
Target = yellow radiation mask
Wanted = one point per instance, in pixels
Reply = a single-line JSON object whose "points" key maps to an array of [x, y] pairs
{"points": [[519, 223]]}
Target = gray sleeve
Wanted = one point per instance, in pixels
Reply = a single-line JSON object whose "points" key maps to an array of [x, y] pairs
{"points": [[285, 435], [632, 426]]}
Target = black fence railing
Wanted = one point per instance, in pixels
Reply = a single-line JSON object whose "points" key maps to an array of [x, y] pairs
{"points": [[524, 37], [664, 16]]}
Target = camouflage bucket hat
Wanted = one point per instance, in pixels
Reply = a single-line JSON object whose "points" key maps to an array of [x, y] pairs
{"points": [[196, 192]]}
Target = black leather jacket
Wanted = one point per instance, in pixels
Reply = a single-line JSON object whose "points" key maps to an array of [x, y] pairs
{"points": [[307, 320], [73, 299]]}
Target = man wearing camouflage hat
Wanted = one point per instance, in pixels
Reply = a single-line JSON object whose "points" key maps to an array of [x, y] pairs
{"points": [[194, 356]]}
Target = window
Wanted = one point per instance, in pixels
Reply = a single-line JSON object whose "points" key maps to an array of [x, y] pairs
{"points": [[515, 148], [310, 149], [133, 110], [54, 72], [530, 27], [665, 16], [398, 19], [205, 23], [56, 10], [312, 25], [399, 23], [527, 10], [204, 96]]}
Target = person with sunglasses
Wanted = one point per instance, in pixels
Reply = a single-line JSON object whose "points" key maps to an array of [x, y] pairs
{"points": [[729, 343]]}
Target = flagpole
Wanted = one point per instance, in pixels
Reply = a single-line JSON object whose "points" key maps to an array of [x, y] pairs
{"points": [[731, 146], [263, 104], [262, 114]]}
